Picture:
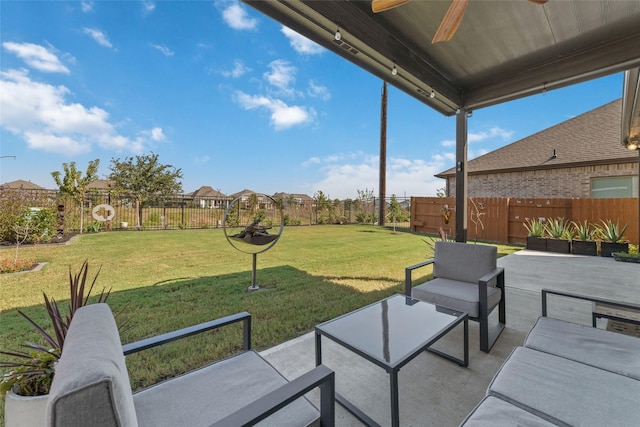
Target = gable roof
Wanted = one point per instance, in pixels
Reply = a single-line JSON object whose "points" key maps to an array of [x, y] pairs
{"points": [[101, 184], [22, 185], [591, 138], [207, 191], [286, 196]]}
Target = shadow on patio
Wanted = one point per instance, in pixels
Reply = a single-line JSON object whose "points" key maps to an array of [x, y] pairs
{"points": [[437, 392]]}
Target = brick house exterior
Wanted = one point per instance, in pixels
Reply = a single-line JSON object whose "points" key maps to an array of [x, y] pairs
{"points": [[558, 162]]}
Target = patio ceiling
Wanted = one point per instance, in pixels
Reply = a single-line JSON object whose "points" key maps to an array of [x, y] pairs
{"points": [[503, 50]]}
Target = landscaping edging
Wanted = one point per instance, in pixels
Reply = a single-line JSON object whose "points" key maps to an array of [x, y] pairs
{"points": [[38, 267]]}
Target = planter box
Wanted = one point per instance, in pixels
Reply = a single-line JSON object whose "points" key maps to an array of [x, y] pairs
{"points": [[558, 245], [607, 249], [584, 247], [627, 259], [536, 243], [24, 411]]}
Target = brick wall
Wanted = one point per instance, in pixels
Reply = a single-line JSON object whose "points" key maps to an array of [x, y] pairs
{"points": [[555, 183]]}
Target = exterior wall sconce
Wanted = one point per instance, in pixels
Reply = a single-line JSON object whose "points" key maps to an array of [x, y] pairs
{"points": [[337, 36], [394, 70], [632, 143]]}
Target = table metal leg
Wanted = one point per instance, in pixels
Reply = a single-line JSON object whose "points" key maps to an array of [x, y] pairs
{"points": [[395, 404], [318, 349]]}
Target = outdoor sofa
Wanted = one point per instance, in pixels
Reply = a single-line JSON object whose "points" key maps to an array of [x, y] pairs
{"points": [[91, 386], [566, 374]]}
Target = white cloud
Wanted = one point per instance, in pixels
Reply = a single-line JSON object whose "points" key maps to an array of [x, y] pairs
{"points": [[301, 44], [494, 132], [473, 137], [87, 6], [318, 91], [282, 75], [201, 160], [36, 56], [237, 18], [98, 36], [404, 176], [283, 116], [239, 69], [148, 7], [448, 143], [165, 50], [311, 161], [40, 114]]}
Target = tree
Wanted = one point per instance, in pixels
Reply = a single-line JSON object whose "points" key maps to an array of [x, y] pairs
{"points": [[74, 185], [394, 210], [144, 177]]}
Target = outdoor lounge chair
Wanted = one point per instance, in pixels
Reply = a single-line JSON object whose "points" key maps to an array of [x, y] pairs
{"points": [[91, 386], [465, 278]]}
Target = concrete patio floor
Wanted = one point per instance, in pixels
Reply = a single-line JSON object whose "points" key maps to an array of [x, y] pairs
{"points": [[437, 392]]}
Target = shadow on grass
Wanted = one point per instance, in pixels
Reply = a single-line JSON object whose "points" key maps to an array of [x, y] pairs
{"points": [[290, 303]]}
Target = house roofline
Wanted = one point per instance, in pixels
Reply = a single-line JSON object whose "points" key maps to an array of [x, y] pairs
{"points": [[621, 160]]}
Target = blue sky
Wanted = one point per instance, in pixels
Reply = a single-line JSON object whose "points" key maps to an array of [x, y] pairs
{"points": [[231, 97]]}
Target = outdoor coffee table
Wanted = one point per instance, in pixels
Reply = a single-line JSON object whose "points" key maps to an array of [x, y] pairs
{"points": [[390, 333]]}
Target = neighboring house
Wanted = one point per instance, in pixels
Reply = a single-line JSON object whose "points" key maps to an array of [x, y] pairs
{"points": [[101, 185], [581, 157], [245, 199], [21, 185], [207, 197], [298, 199]]}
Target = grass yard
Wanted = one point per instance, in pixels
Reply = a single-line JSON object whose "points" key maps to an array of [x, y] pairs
{"points": [[165, 280]]}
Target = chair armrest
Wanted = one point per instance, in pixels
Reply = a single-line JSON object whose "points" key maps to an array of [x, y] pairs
{"points": [[498, 272], [256, 411], [408, 281], [158, 340], [613, 303]]}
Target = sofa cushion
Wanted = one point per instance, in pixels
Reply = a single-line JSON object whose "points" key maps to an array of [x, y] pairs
{"points": [[463, 261], [461, 296], [595, 347], [91, 385], [568, 391], [206, 395], [495, 412]]}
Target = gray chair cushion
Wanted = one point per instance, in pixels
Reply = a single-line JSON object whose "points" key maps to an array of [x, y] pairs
{"points": [[463, 261], [91, 385], [206, 395], [573, 393], [494, 412], [462, 296], [595, 347]]}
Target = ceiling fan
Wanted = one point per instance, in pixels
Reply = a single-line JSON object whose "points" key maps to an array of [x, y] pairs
{"points": [[449, 24]]}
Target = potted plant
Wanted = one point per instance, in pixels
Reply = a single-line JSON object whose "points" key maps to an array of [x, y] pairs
{"points": [[535, 234], [612, 238], [31, 370], [559, 235], [584, 242]]}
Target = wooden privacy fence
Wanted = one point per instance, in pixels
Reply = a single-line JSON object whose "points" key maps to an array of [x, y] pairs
{"points": [[501, 219]]}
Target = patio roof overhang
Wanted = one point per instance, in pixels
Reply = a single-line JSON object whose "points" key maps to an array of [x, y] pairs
{"points": [[502, 51]]}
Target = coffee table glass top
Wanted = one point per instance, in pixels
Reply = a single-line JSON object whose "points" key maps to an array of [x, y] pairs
{"points": [[391, 329]]}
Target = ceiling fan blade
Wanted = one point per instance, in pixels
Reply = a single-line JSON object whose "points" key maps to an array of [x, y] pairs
{"points": [[539, 1], [383, 5], [451, 21]]}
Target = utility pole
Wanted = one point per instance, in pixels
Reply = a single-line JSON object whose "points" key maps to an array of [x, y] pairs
{"points": [[383, 156]]}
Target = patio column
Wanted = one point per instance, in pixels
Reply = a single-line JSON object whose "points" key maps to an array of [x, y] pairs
{"points": [[461, 175]]}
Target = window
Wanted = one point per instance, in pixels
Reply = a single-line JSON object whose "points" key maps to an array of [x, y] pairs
{"points": [[614, 187]]}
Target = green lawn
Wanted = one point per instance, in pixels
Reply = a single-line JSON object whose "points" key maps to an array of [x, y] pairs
{"points": [[164, 280]]}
